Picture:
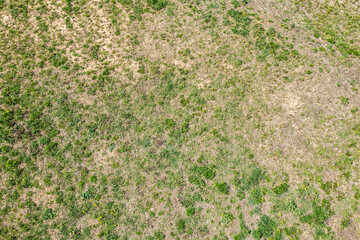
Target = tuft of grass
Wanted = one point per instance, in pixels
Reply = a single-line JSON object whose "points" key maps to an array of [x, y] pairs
{"points": [[223, 188], [157, 4], [265, 228], [282, 188]]}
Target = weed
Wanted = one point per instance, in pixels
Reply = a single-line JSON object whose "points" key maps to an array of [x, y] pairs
{"points": [[181, 225], [227, 218], [190, 211], [159, 235], [280, 189], [256, 196], [197, 181], [49, 214], [344, 100], [244, 232], [266, 228], [223, 188], [319, 215], [157, 4]]}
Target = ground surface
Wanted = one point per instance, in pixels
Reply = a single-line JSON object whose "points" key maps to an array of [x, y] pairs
{"points": [[179, 119]]}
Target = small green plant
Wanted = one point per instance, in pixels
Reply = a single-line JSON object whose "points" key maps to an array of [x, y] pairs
{"points": [[227, 218], [257, 196], [159, 235], [292, 231], [238, 63], [157, 4], [255, 211], [87, 195], [190, 211], [357, 193], [319, 215], [209, 174], [345, 222], [266, 228], [181, 225], [223, 188], [327, 186], [244, 232], [241, 194], [282, 188], [49, 214], [235, 3], [169, 123], [344, 100], [197, 181]]}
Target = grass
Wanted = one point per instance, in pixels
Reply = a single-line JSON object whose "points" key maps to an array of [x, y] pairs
{"points": [[169, 119]]}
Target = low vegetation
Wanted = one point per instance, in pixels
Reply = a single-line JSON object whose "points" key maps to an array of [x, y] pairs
{"points": [[179, 119]]}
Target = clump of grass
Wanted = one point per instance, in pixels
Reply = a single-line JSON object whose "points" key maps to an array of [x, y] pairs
{"points": [[157, 4], [244, 231], [265, 229], [190, 211], [223, 188], [49, 214], [319, 214], [181, 225], [256, 196], [227, 218], [282, 188]]}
